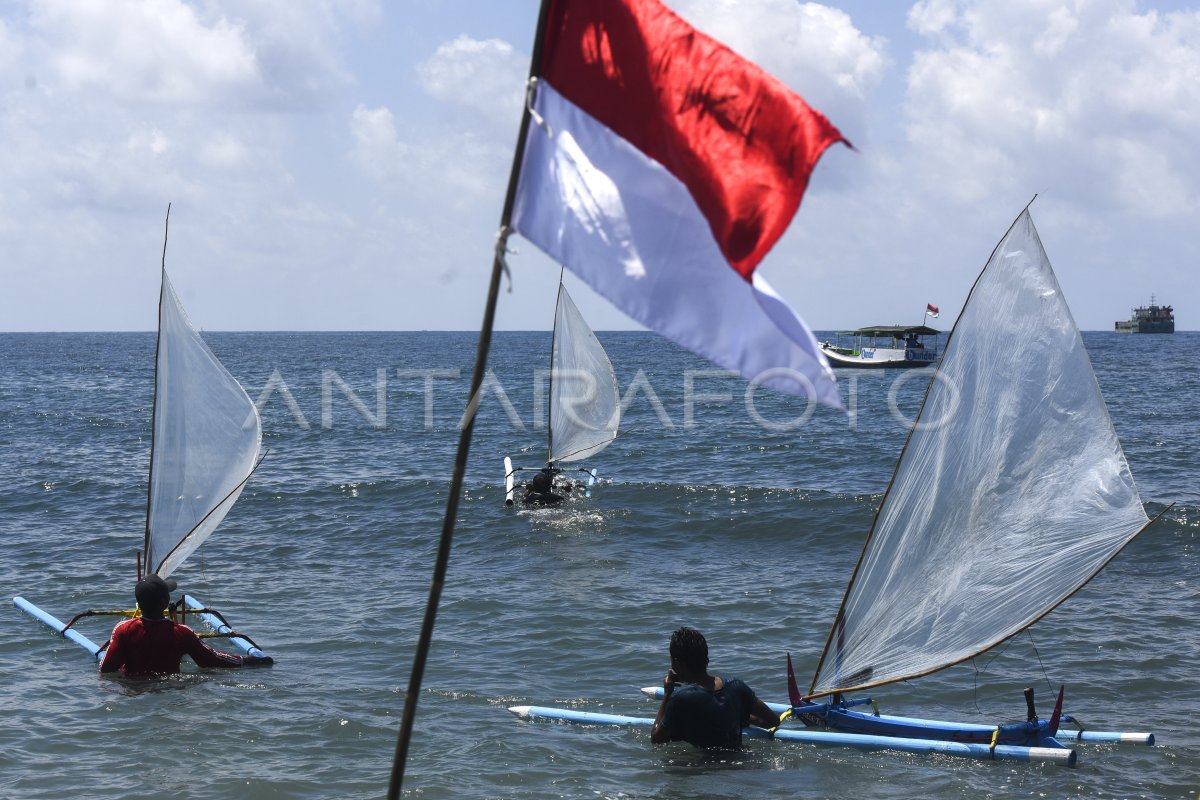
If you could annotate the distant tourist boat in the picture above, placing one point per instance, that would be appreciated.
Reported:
(1149, 319)
(884, 346)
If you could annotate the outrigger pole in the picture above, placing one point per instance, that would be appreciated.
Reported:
(464, 439)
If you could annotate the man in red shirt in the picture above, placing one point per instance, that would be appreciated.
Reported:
(153, 645)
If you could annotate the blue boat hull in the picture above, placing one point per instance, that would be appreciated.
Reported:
(1054, 755)
(840, 717)
(1025, 734)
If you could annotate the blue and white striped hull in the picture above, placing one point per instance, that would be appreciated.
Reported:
(1060, 756)
(1023, 733)
(1053, 755)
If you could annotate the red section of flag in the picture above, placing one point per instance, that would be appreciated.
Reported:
(740, 140)
(931, 309)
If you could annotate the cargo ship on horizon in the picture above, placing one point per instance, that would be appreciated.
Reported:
(1149, 319)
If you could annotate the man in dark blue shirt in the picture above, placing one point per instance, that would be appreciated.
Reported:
(704, 710)
(540, 491)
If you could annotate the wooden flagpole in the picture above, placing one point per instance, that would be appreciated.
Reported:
(464, 439)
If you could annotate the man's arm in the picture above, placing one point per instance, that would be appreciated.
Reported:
(762, 716)
(659, 733)
(205, 656)
(114, 657)
(202, 654)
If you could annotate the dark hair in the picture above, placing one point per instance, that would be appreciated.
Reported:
(689, 647)
(541, 482)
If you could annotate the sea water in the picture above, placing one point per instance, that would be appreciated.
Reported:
(735, 510)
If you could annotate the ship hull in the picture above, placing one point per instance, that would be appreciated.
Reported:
(1145, 327)
(1148, 319)
(879, 357)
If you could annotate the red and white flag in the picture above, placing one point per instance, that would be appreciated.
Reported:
(661, 169)
(931, 310)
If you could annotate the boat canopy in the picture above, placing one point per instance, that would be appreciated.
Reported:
(896, 331)
(1011, 493)
(206, 439)
(585, 404)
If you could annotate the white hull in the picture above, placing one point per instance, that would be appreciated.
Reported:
(878, 357)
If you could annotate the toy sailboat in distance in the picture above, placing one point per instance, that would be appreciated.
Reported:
(585, 403)
(205, 441)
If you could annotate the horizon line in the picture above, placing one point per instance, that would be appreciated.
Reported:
(448, 330)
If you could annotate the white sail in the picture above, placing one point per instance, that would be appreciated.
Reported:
(1011, 493)
(206, 440)
(585, 404)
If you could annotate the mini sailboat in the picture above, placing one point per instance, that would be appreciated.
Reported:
(1011, 493)
(205, 441)
(585, 408)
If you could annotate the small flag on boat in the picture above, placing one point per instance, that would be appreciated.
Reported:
(661, 170)
(931, 310)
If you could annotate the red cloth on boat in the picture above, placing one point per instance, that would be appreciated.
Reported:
(140, 648)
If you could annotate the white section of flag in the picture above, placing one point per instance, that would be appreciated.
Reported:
(631, 230)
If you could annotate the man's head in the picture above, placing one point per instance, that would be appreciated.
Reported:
(689, 648)
(541, 482)
(153, 595)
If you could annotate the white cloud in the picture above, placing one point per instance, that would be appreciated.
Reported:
(378, 150)
(453, 166)
(487, 77)
(463, 152)
(223, 151)
(232, 54)
(1095, 99)
(123, 103)
(348, 158)
(108, 110)
(10, 52)
(145, 52)
(931, 17)
(297, 44)
(151, 141)
(120, 101)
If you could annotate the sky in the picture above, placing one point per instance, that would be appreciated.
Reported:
(341, 164)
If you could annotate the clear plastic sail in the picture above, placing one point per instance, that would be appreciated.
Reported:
(1011, 493)
(207, 437)
(585, 404)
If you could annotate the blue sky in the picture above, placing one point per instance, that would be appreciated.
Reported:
(341, 165)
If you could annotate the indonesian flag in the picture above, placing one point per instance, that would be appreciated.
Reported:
(931, 310)
(660, 169)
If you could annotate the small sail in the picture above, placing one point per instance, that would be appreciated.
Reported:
(207, 436)
(1011, 493)
(585, 405)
